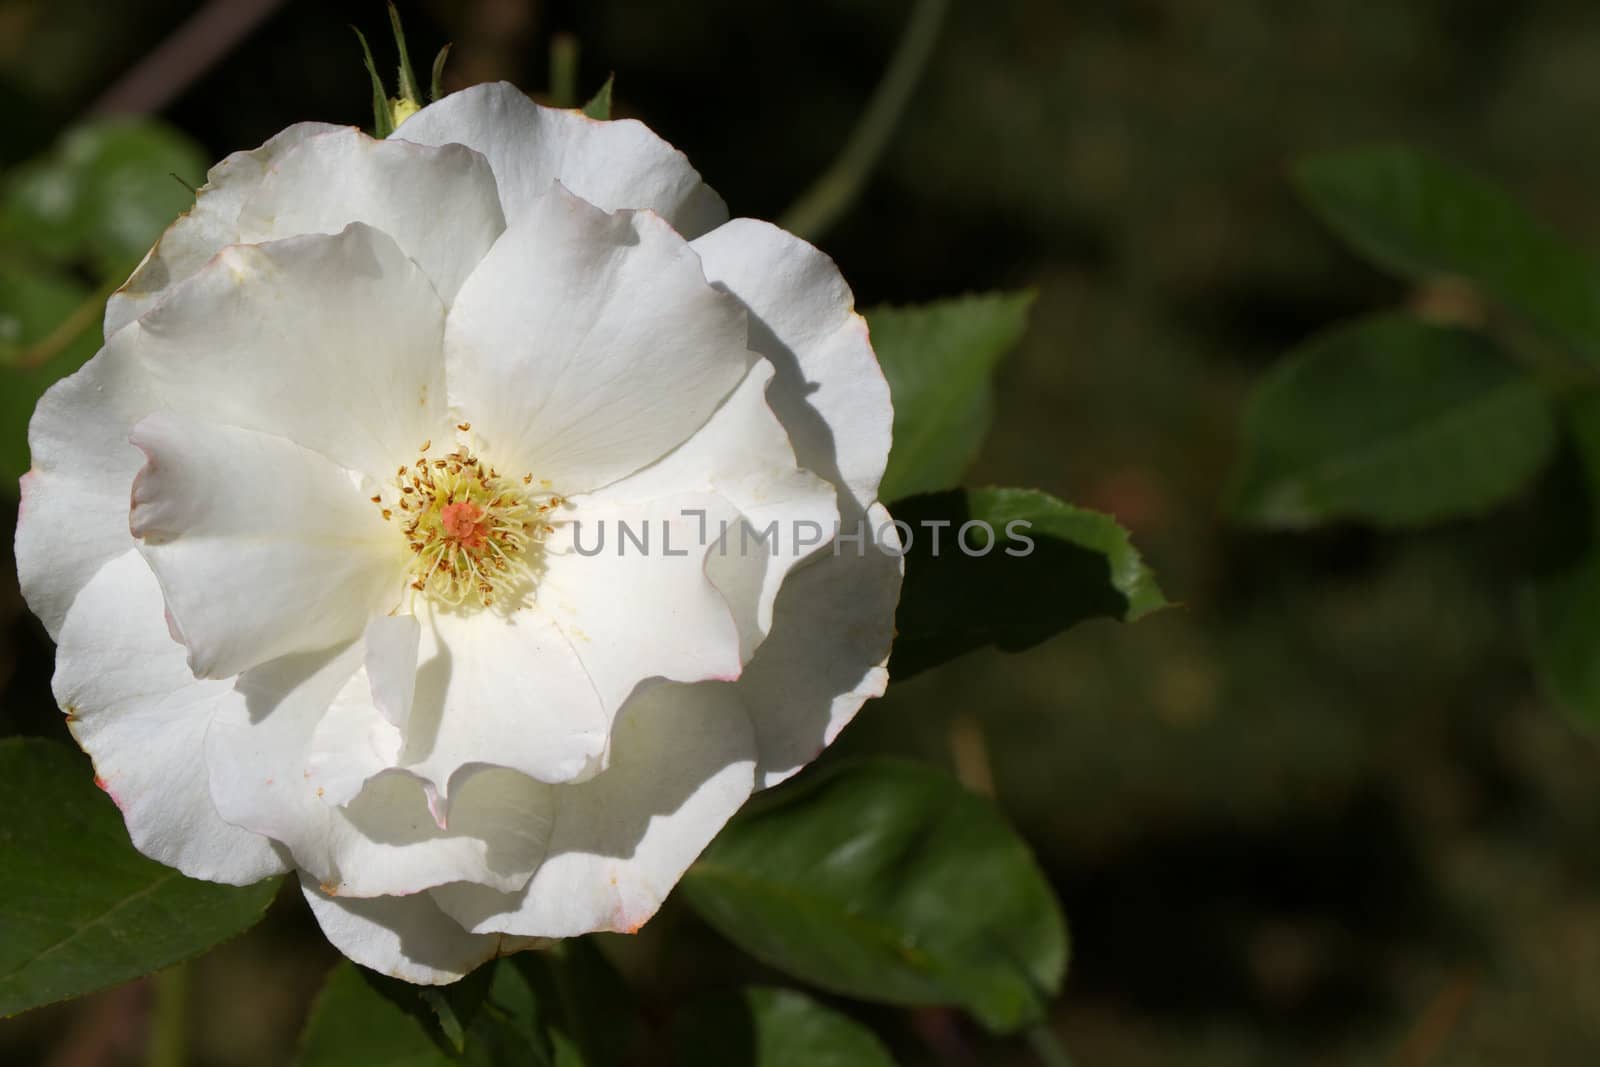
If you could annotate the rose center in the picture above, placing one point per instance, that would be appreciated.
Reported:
(462, 523)
(474, 534)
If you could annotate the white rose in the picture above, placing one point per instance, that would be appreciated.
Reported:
(368, 400)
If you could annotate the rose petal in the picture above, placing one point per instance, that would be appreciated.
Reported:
(352, 744)
(619, 164)
(335, 342)
(388, 839)
(203, 230)
(681, 765)
(742, 455)
(830, 392)
(388, 842)
(391, 665)
(586, 346)
(362, 734)
(403, 937)
(634, 613)
(826, 655)
(834, 618)
(440, 205)
(263, 548)
(332, 342)
(258, 751)
(135, 708)
(74, 513)
(505, 690)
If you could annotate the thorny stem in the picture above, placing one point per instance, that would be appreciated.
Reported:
(831, 195)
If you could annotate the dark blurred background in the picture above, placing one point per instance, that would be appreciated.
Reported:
(1317, 814)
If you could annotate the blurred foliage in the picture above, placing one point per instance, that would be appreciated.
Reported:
(764, 1027)
(73, 224)
(101, 197)
(363, 1017)
(1425, 219)
(1393, 421)
(47, 334)
(1399, 422)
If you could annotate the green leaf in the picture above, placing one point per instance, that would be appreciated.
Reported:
(588, 1008)
(35, 306)
(888, 881)
(353, 1023)
(940, 360)
(139, 176)
(80, 910)
(382, 116)
(1391, 421)
(513, 1027)
(1562, 610)
(764, 1027)
(564, 1006)
(446, 1013)
(1581, 409)
(1049, 567)
(103, 194)
(42, 211)
(1420, 217)
(599, 105)
(362, 1017)
(1565, 635)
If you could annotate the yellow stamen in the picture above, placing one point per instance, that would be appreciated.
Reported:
(471, 533)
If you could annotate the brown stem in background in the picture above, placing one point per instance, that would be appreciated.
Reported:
(492, 40)
(970, 752)
(1439, 1020)
(184, 57)
(86, 316)
(106, 1029)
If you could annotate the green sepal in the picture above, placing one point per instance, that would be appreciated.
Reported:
(382, 117)
(599, 105)
(436, 83)
(410, 92)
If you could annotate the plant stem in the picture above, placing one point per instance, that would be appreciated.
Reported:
(564, 70)
(1048, 1047)
(831, 195)
(169, 1019)
(86, 316)
(203, 41)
